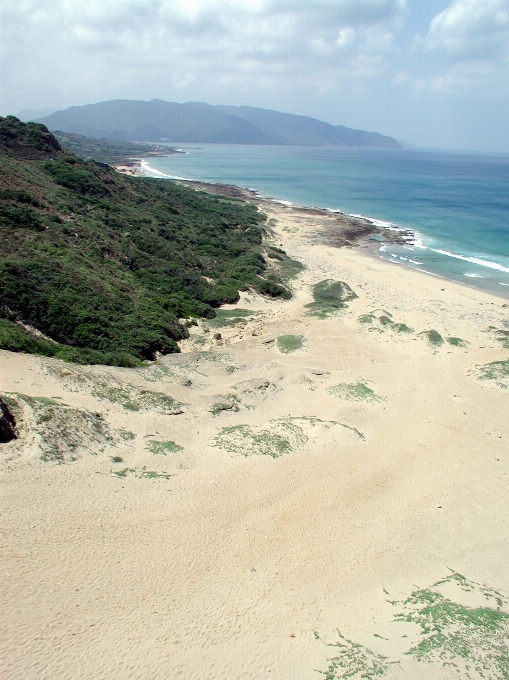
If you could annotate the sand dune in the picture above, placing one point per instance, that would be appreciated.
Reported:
(264, 504)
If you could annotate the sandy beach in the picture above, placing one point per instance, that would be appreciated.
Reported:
(290, 497)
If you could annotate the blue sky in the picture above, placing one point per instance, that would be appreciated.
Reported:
(434, 73)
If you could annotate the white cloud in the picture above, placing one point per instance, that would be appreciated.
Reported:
(75, 51)
(472, 30)
(346, 37)
(473, 38)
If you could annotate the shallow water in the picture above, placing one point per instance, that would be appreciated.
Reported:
(457, 205)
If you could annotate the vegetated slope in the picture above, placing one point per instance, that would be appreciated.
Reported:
(108, 150)
(105, 265)
(200, 122)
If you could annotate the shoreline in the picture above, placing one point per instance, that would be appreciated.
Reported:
(137, 166)
(380, 231)
(346, 231)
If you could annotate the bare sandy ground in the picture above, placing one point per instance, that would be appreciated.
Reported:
(290, 515)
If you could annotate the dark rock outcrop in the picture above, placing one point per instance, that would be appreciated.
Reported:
(7, 424)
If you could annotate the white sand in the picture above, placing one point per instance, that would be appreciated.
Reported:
(228, 567)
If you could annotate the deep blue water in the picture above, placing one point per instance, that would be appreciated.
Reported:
(457, 205)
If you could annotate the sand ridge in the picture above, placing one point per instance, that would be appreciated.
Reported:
(242, 502)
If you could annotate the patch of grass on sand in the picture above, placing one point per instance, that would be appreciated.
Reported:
(385, 320)
(242, 439)
(451, 632)
(457, 342)
(289, 343)
(126, 435)
(498, 371)
(282, 435)
(123, 473)
(354, 660)
(230, 317)
(366, 318)
(353, 392)
(286, 267)
(156, 372)
(135, 399)
(290, 269)
(469, 640)
(42, 401)
(402, 328)
(164, 447)
(329, 297)
(503, 337)
(433, 337)
(141, 473)
(117, 459)
(61, 431)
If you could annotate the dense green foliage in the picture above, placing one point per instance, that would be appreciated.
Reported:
(105, 265)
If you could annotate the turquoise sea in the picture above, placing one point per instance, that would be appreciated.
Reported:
(456, 205)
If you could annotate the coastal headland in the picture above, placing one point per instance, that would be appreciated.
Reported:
(313, 488)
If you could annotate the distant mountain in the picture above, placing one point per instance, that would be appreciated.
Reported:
(197, 122)
(306, 131)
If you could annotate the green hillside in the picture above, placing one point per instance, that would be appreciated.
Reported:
(104, 265)
(109, 151)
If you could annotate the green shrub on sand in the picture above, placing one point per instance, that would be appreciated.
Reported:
(353, 392)
(329, 297)
(162, 448)
(496, 371)
(289, 343)
(433, 337)
(457, 342)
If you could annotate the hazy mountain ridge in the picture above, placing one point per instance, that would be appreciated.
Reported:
(198, 122)
(303, 130)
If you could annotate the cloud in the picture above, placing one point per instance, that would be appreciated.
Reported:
(472, 36)
(472, 30)
(75, 51)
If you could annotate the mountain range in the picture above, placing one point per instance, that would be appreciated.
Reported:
(197, 122)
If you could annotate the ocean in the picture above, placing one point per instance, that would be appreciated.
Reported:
(455, 204)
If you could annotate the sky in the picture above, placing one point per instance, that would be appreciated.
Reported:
(433, 73)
